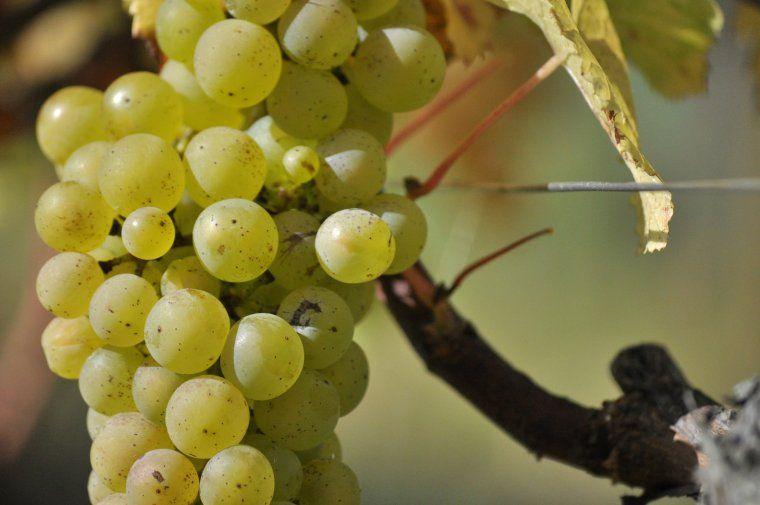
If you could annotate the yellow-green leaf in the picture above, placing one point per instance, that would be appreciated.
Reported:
(669, 40)
(607, 101)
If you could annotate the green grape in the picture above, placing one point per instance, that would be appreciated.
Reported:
(329, 449)
(105, 381)
(398, 68)
(188, 272)
(95, 422)
(72, 217)
(359, 297)
(162, 477)
(83, 164)
(408, 225)
(263, 356)
(66, 283)
(261, 12)
(318, 34)
(278, 502)
(200, 111)
(405, 12)
(238, 474)
(237, 63)
(223, 163)
(274, 143)
(349, 375)
(288, 474)
(119, 307)
(152, 387)
(111, 248)
(114, 499)
(186, 330)
(148, 233)
(371, 9)
(69, 119)
(296, 264)
(362, 115)
(67, 343)
(306, 102)
(235, 239)
(354, 245)
(324, 322)
(304, 416)
(354, 167)
(205, 415)
(142, 102)
(141, 170)
(124, 439)
(185, 214)
(328, 482)
(180, 23)
(96, 489)
(301, 163)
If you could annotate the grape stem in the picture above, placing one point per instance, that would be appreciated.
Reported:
(448, 291)
(525, 88)
(441, 104)
(749, 184)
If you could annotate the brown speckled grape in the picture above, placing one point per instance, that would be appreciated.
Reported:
(162, 477)
(408, 225)
(67, 343)
(105, 381)
(328, 482)
(66, 283)
(296, 264)
(239, 474)
(152, 387)
(119, 307)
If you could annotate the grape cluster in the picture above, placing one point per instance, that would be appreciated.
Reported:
(219, 228)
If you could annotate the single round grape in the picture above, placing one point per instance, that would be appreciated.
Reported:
(67, 343)
(141, 170)
(296, 263)
(205, 415)
(263, 356)
(371, 9)
(237, 63)
(142, 102)
(148, 233)
(235, 239)
(95, 422)
(186, 330)
(224, 163)
(304, 416)
(152, 387)
(200, 111)
(350, 376)
(124, 439)
(119, 307)
(301, 163)
(96, 489)
(359, 297)
(261, 12)
(354, 245)
(398, 68)
(328, 482)
(66, 283)
(288, 474)
(238, 474)
(408, 225)
(318, 34)
(162, 477)
(274, 142)
(362, 115)
(69, 119)
(329, 449)
(83, 164)
(72, 217)
(189, 273)
(354, 167)
(105, 381)
(306, 102)
(180, 23)
(324, 322)
(114, 499)
(185, 214)
(405, 12)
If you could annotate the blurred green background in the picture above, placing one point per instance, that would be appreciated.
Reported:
(559, 308)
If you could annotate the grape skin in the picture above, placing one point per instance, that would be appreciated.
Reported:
(288, 475)
(408, 225)
(274, 142)
(148, 233)
(405, 12)
(83, 164)
(329, 449)
(328, 482)
(119, 308)
(105, 381)
(188, 272)
(67, 343)
(370, 9)
(261, 12)
(301, 163)
(152, 386)
(96, 489)
(359, 297)
(350, 376)
(66, 282)
(162, 477)
(362, 115)
(95, 422)
(296, 264)
(180, 23)
(114, 499)
(239, 474)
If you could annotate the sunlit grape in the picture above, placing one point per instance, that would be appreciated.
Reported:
(261, 12)
(180, 23)
(238, 474)
(83, 164)
(67, 343)
(96, 489)
(162, 477)
(66, 283)
(148, 233)
(152, 386)
(188, 272)
(105, 380)
(408, 225)
(119, 307)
